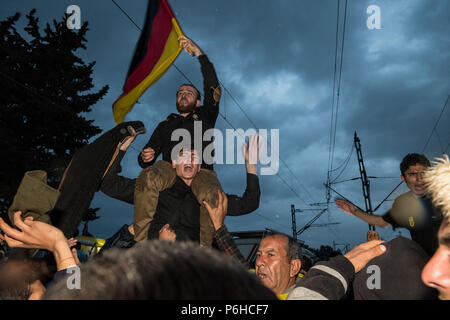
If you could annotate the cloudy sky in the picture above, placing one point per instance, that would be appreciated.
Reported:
(276, 58)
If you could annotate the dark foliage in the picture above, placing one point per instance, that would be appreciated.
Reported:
(45, 88)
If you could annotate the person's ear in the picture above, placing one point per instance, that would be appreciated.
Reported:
(174, 164)
(403, 178)
(294, 267)
(198, 103)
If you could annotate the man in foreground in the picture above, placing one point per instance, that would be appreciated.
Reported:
(436, 273)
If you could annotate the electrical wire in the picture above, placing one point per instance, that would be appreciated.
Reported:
(333, 99)
(435, 125)
(346, 163)
(439, 139)
(271, 220)
(339, 82)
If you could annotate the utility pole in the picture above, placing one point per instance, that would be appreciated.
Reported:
(294, 223)
(295, 233)
(364, 179)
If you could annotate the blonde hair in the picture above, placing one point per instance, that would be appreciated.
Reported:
(437, 182)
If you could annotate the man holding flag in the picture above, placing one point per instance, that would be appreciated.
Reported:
(159, 176)
(160, 43)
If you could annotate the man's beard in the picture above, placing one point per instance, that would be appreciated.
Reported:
(186, 108)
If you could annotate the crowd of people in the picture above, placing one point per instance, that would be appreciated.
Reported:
(177, 245)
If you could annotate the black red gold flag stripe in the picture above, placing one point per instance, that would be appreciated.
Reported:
(156, 50)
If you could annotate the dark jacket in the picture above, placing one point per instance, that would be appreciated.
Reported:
(395, 275)
(84, 175)
(329, 280)
(178, 207)
(160, 141)
(121, 239)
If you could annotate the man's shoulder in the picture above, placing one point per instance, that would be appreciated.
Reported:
(171, 117)
(412, 211)
(202, 112)
(405, 197)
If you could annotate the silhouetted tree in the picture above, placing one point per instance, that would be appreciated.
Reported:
(44, 90)
(325, 252)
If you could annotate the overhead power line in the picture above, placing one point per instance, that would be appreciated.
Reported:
(345, 166)
(271, 220)
(339, 82)
(424, 148)
(336, 95)
(435, 125)
(333, 98)
(126, 14)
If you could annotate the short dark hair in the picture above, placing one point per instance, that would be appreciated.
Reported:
(293, 249)
(199, 96)
(163, 270)
(412, 159)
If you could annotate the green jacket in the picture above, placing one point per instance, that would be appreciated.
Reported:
(34, 197)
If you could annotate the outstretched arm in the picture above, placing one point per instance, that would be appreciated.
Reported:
(350, 208)
(330, 280)
(211, 87)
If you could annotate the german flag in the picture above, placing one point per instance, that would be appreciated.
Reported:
(157, 49)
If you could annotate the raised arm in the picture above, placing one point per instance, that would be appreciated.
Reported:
(211, 87)
(249, 201)
(38, 235)
(330, 280)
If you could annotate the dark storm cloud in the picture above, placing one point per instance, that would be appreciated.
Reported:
(277, 59)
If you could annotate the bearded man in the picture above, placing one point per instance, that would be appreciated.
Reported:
(159, 176)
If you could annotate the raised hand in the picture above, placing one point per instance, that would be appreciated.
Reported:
(189, 46)
(72, 242)
(32, 234)
(148, 154)
(38, 235)
(360, 255)
(346, 206)
(218, 214)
